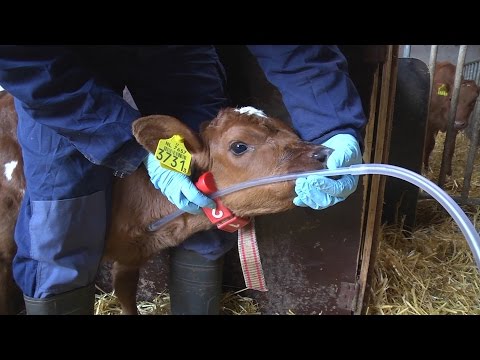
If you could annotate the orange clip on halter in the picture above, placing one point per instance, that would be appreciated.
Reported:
(221, 216)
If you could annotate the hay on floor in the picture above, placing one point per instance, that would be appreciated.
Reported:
(232, 303)
(431, 270)
(454, 184)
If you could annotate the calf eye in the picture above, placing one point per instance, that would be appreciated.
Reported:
(238, 148)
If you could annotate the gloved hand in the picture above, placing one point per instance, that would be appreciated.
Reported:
(320, 192)
(177, 187)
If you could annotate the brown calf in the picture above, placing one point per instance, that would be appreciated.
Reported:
(12, 185)
(234, 146)
(440, 108)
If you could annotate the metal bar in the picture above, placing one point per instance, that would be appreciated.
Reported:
(471, 71)
(477, 78)
(450, 135)
(406, 51)
(472, 151)
(431, 67)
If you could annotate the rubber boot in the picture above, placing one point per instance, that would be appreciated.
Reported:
(80, 301)
(195, 283)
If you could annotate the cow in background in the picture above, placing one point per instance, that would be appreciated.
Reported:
(439, 109)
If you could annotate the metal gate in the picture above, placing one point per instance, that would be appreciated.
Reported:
(467, 71)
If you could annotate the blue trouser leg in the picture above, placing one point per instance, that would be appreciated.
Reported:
(186, 82)
(61, 226)
(60, 231)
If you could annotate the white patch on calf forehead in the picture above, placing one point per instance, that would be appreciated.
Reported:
(250, 110)
(9, 167)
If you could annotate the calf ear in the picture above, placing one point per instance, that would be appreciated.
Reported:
(149, 130)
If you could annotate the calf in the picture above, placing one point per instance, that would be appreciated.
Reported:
(12, 184)
(236, 146)
(439, 109)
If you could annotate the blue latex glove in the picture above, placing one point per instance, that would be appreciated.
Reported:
(320, 192)
(177, 187)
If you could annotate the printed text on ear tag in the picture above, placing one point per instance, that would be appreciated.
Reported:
(442, 90)
(173, 154)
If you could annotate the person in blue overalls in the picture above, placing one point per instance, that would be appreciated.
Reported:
(75, 133)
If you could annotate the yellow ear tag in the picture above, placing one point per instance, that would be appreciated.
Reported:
(442, 90)
(173, 154)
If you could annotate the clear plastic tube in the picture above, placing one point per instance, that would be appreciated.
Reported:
(463, 222)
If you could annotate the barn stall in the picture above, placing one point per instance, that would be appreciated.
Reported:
(326, 262)
(424, 264)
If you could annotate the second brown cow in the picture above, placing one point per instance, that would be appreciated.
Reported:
(439, 110)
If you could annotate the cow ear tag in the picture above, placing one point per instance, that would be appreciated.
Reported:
(173, 154)
(442, 90)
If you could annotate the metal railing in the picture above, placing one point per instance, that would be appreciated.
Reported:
(469, 71)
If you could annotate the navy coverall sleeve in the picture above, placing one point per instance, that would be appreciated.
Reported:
(66, 98)
(316, 89)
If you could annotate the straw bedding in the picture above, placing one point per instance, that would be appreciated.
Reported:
(430, 270)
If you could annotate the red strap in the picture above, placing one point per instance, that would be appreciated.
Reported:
(221, 216)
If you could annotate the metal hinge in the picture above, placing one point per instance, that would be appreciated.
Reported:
(347, 296)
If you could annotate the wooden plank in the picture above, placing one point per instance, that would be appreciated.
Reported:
(369, 142)
(370, 129)
(382, 139)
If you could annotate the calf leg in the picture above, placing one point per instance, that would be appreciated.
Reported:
(125, 282)
(429, 145)
(448, 160)
(11, 298)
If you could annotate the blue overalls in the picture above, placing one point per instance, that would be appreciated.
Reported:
(75, 133)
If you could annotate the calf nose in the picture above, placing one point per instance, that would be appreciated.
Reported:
(322, 153)
(460, 124)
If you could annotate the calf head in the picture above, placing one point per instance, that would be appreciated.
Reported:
(237, 146)
(440, 105)
(469, 92)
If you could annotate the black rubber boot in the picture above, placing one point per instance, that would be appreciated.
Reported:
(80, 301)
(195, 283)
